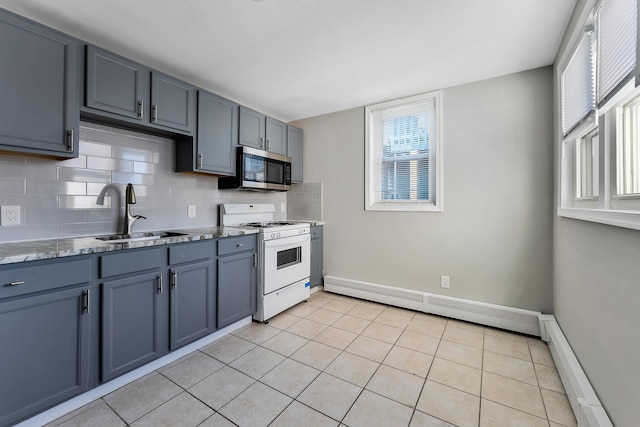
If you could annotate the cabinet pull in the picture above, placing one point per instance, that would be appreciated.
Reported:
(140, 108)
(70, 140)
(85, 302)
(159, 283)
(255, 259)
(174, 282)
(155, 113)
(199, 164)
(17, 283)
(267, 148)
(239, 245)
(261, 142)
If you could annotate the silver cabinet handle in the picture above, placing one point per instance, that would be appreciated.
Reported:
(70, 140)
(267, 144)
(199, 164)
(174, 283)
(239, 245)
(85, 302)
(261, 142)
(160, 283)
(155, 113)
(255, 259)
(17, 283)
(140, 108)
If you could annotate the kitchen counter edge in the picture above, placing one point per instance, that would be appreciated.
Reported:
(17, 252)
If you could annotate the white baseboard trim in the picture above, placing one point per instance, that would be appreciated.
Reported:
(499, 316)
(106, 388)
(585, 404)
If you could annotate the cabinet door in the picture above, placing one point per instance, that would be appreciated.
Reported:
(173, 103)
(115, 84)
(217, 134)
(39, 107)
(133, 323)
(294, 150)
(236, 287)
(316, 256)
(45, 351)
(276, 134)
(252, 128)
(192, 303)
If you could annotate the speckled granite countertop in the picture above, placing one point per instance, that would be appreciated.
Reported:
(15, 252)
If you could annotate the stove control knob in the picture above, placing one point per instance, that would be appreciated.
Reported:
(273, 235)
(278, 233)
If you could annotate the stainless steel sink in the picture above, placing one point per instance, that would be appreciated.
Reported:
(138, 237)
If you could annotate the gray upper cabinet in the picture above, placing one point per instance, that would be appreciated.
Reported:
(262, 132)
(173, 103)
(216, 139)
(39, 103)
(252, 128)
(45, 331)
(294, 150)
(276, 134)
(115, 84)
(118, 89)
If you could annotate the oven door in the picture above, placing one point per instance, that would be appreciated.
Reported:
(286, 261)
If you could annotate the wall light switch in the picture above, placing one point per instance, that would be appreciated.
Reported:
(10, 215)
(283, 207)
(444, 282)
(191, 211)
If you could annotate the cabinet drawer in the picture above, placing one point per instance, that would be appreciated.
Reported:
(43, 276)
(130, 262)
(188, 252)
(232, 245)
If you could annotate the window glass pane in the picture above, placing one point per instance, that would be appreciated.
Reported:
(628, 149)
(578, 85)
(587, 166)
(617, 29)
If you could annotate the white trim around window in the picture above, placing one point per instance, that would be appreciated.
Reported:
(419, 167)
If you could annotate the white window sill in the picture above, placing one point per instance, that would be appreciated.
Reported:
(404, 207)
(617, 218)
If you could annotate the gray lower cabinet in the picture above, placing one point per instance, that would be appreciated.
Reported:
(294, 150)
(237, 279)
(193, 292)
(217, 137)
(38, 85)
(316, 255)
(45, 331)
(134, 310)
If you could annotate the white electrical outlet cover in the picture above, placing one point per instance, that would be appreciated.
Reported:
(191, 211)
(9, 215)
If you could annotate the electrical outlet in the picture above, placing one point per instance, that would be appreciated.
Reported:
(444, 282)
(283, 207)
(9, 215)
(191, 211)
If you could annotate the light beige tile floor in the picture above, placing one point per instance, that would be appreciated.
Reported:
(340, 361)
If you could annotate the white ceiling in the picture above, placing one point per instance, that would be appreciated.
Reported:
(300, 58)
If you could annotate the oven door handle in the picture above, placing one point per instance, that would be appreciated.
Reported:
(287, 241)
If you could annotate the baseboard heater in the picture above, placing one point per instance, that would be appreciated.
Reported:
(513, 319)
(585, 405)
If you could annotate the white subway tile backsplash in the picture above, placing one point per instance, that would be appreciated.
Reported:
(60, 198)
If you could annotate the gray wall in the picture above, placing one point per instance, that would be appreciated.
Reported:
(597, 298)
(58, 198)
(493, 238)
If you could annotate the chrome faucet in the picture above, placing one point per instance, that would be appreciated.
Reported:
(130, 199)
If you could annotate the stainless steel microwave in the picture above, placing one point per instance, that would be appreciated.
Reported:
(259, 170)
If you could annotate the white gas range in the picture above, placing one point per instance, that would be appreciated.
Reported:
(284, 252)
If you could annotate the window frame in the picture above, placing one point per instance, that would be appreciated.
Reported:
(371, 204)
(608, 208)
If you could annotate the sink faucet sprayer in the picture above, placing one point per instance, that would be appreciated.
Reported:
(130, 199)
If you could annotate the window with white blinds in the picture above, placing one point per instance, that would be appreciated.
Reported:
(617, 33)
(578, 85)
(402, 149)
